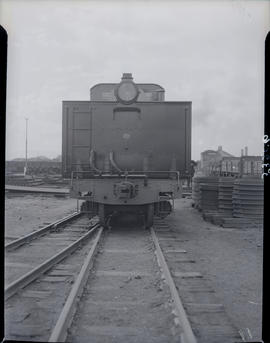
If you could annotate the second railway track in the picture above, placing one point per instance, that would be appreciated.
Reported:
(34, 300)
(50, 228)
(27, 252)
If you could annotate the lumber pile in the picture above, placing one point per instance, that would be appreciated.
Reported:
(230, 202)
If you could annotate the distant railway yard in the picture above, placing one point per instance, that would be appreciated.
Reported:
(182, 280)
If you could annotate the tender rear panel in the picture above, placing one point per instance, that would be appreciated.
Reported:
(145, 135)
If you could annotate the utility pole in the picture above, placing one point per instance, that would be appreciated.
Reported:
(26, 127)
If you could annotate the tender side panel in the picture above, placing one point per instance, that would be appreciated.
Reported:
(76, 136)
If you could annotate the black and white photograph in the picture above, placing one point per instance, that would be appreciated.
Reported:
(134, 170)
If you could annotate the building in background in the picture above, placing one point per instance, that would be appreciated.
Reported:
(211, 159)
(244, 165)
(220, 162)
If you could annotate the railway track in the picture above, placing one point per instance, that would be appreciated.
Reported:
(42, 245)
(126, 299)
(34, 299)
(203, 309)
(40, 232)
(125, 291)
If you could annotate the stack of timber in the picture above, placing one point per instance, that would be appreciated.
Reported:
(248, 199)
(239, 223)
(225, 191)
(22, 180)
(209, 194)
(237, 203)
(196, 189)
(209, 200)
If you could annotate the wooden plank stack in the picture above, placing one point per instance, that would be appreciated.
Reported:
(197, 195)
(230, 202)
(209, 195)
(248, 199)
(225, 191)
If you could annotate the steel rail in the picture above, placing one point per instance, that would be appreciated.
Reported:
(64, 321)
(27, 238)
(33, 274)
(188, 335)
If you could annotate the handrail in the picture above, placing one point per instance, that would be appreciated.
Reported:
(127, 174)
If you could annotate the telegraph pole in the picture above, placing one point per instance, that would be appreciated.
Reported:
(26, 127)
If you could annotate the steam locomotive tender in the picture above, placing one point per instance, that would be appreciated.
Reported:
(126, 150)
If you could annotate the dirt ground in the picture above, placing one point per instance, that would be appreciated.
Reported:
(24, 214)
(230, 258)
(125, 300)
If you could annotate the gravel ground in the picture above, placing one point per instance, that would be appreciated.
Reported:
(231, 259)
(24, 214)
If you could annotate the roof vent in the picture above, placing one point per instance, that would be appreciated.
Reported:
(127, 76)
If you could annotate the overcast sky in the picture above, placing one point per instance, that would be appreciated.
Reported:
(210, 53)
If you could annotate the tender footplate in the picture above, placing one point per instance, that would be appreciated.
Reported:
(205, 312)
